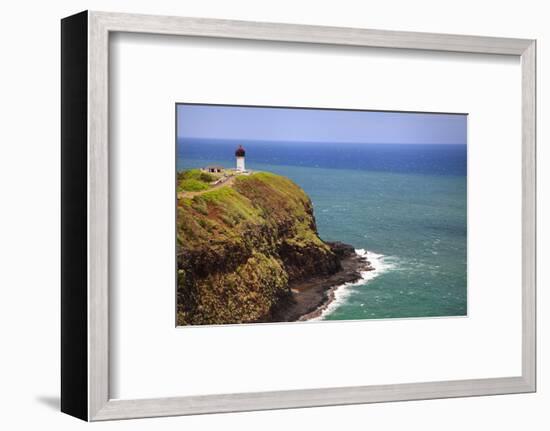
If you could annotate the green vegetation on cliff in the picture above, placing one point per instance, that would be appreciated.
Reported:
(194, 180)
(240, 245)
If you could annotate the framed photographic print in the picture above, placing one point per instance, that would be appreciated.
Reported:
(279, 208)
(261, 216)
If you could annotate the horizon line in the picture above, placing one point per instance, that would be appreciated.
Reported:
(196, 138)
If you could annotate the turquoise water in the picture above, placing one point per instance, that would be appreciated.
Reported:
(408, 212)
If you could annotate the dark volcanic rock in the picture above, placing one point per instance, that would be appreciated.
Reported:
(341, 250)
(311, 295)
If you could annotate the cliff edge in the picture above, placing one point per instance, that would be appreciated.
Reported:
(248, 248)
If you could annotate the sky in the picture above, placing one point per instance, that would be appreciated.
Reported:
(314, 125)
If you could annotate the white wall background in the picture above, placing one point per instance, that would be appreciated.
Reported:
(29, 215)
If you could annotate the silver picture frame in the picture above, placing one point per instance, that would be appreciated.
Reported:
(85, 215)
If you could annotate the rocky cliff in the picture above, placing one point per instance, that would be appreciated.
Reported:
(240, 247)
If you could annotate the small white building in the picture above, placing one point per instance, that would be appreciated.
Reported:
(239, 156)
(213, 169)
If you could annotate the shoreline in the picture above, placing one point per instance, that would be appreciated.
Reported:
(312, 296)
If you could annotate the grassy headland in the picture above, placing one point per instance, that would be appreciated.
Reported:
(243, 245)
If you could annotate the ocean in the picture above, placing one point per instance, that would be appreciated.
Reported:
(404, 206)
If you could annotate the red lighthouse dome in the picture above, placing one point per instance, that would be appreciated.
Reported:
(240, 151)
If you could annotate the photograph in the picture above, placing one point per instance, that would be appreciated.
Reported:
(291, 214)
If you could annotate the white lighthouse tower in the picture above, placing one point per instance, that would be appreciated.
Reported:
(239, 156)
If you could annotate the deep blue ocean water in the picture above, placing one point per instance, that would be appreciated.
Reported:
(404, 204)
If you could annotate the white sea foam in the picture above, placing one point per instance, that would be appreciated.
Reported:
(379, 262)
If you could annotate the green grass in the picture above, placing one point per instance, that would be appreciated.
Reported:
(197, 174)
(194, 180)
(260, 199)
(192, 185)
(280, 198)
(229, 202)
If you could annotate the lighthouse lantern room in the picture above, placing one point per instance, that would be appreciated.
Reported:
(239, 156)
